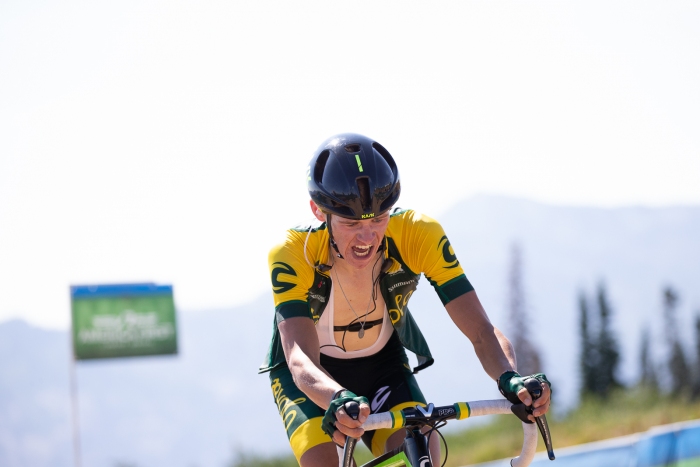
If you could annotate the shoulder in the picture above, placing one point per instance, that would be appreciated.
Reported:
(290, 241)
(410, 222)
(291, 262)
(299, 249)
(421, 242)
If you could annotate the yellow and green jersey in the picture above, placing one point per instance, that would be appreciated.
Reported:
(415, 244)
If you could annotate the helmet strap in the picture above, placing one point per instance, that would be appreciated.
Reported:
(330, 235)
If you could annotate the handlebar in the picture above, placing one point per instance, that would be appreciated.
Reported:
(420, 416)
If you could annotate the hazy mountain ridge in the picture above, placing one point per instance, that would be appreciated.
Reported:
(196, 408)
(34, 396)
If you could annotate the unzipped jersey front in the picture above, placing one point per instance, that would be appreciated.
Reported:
(414, 244)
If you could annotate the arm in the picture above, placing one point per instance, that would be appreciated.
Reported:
(301, 349)
(493, 349)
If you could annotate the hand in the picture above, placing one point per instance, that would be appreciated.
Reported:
(338, 424)
(512, 386)
(541, 405)
(347, 425)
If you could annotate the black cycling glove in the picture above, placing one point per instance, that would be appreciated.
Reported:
(341, 398)
(510, 382)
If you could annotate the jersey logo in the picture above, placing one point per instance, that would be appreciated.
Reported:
(380, 398)
(447, 253)
(280, 286)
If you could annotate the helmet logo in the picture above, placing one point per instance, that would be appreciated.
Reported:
(359, 162)
(368, 216)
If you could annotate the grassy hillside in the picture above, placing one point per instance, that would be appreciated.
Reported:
(625, 412)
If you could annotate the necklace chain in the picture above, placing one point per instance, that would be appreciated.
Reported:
(361, 333)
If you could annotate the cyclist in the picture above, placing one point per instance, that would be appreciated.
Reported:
(341, 318)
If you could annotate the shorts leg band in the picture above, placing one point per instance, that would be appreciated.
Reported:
(308, 435)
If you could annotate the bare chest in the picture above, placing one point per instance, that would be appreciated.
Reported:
(356, 305)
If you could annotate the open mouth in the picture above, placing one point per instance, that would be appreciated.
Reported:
(362, 250)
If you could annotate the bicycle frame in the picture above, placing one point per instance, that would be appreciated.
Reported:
(414, 450)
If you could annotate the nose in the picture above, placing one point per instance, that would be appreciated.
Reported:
(366, 233)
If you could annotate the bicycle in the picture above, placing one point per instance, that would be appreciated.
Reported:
(414, 452)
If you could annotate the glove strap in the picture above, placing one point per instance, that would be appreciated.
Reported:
(338, 393)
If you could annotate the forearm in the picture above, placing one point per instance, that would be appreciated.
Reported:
(312, 379)
(493, 348)
(495, 352)
(301, 349)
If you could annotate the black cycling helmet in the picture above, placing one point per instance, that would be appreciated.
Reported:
(353, 176)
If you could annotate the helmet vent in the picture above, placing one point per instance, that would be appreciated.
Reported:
(353, 147)
(385, 154)
(365, 196)
(321, 165)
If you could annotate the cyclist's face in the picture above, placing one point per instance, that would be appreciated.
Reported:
(358, 240)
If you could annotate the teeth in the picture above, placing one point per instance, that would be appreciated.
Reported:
(362, 247)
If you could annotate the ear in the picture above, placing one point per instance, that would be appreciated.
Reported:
(317, 211)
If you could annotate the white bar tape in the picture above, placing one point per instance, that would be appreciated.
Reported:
(529, 446)
(492, 407)
(502, 406)
(378, 420)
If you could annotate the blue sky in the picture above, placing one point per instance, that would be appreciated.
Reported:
(167, 141)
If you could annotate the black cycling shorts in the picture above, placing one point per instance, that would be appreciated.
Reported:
(384, 378)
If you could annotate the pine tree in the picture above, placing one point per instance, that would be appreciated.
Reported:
(588, 356)
(677, 363)
(648, 378)
(527, 355)
(607, 346)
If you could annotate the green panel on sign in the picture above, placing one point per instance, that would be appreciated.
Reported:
(124, 326)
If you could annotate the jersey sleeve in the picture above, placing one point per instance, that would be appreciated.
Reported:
(291, 278)
(428, 250)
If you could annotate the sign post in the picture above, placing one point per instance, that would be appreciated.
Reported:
(119, 320)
